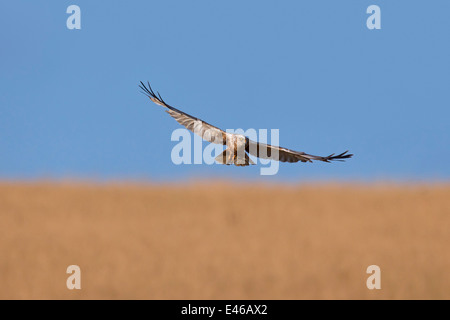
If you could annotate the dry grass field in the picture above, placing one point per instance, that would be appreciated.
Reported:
(219, 241)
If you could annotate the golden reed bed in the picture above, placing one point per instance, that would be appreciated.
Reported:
(218, 241)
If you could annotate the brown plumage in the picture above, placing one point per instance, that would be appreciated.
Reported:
(237, 145)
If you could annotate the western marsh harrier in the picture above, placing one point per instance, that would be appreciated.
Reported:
(237, 145)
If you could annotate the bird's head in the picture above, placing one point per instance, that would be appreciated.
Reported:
(240, 139)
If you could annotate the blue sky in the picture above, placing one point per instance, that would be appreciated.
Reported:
(70, 105)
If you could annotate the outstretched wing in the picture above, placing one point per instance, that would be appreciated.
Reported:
(208, 132)
(267, 151)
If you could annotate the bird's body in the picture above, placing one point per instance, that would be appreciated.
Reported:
(237, 146)
(235, 153)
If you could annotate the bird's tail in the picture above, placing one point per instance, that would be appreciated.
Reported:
(227, 157)
(224, 157)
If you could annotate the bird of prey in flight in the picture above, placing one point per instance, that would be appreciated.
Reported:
(237, 146)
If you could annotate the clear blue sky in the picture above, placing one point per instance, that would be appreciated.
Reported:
(70, 105)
